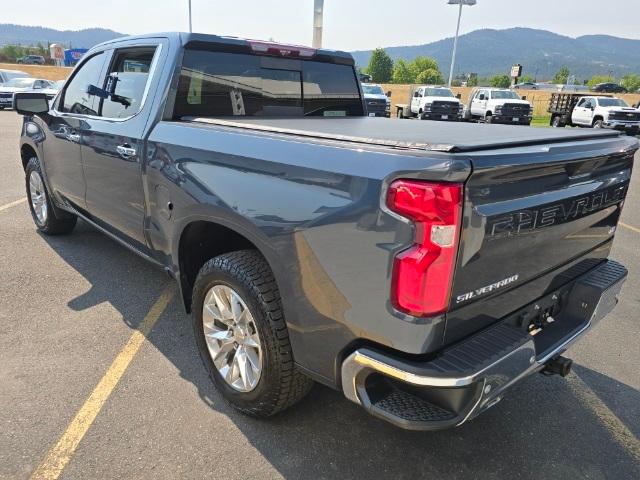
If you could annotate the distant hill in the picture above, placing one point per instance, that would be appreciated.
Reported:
(24, 35)
(490, 51)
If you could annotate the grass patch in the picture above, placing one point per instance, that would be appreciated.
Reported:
(541, 121)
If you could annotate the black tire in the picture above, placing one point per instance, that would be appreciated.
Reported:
(1, 108)
(488, 118)
(556, 122)
(281, 384)
(57, 222)
(598, 124)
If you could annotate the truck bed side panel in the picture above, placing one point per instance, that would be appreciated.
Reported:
(313, 209)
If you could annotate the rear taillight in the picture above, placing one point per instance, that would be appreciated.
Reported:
(422, 274)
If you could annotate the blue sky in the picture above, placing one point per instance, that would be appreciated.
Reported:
(349, 24)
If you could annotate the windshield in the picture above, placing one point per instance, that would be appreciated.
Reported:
(612, 102)
(504, 94)
(372, 89)
(19, 83)
(438, 92)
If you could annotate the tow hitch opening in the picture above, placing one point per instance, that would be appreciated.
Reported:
(558, 366)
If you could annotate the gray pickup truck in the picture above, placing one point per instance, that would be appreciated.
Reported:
(420, 267)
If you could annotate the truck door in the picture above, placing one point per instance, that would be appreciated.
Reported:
(65, 132)
(581, 114)
(112, 153)
(415, 100)
(479, 103)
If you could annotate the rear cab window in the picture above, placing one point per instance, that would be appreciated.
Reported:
(223, 84)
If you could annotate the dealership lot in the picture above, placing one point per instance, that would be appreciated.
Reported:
(70, 304)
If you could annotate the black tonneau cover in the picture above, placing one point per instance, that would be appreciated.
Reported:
(421, 135)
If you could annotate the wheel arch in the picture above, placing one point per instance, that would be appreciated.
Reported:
(202, 239)
(27, 152)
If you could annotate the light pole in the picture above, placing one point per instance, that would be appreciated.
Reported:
(318, 7)
(455, 40)
(190, 29)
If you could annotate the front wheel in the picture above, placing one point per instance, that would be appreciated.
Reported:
(598, 124)
(242, 335)
(47, 217)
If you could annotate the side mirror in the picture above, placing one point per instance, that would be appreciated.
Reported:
(28, 103)
(459, 96)
(389, 94)
(524, 97)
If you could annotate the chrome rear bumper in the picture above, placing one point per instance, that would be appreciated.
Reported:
(471, 376)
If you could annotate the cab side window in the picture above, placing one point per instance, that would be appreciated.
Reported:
(75, 97)
(582, 103)
(126, 82)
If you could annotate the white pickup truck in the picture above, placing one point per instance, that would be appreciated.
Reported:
(498, 105)
(595, 111)
(430, 102)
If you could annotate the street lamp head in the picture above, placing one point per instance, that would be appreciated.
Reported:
(462, 2)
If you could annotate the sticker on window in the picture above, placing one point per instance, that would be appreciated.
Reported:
(334, 113)
(194, 96)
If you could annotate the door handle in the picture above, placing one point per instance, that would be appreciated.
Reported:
(73, 137)
(126, 151)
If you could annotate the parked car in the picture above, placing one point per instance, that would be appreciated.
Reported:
(526, 86)
(8, 88)
(420, 269)
(498, 105)
(365, 78)
(32, 60)
(6, 75)
(376, 101)
(593, 111)
(609, 87)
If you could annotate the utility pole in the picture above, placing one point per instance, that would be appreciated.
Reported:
(460, 3)
(318, 7)
(190, 29)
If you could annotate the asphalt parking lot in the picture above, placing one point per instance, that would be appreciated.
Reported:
(69, 306)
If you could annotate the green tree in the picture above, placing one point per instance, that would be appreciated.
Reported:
(425, 64)
(526, 79)
(429, 76)
(380, 66)
(402, 73)
(500, 81)
(596, 79)
(631, 82)
(561, 75)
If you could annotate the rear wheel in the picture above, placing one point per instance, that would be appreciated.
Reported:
(242, 335)
(46, 216)
(556, 122)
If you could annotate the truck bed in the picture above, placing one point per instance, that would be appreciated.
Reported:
(425, 135)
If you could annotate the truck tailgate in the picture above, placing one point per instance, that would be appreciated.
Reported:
(530, 213)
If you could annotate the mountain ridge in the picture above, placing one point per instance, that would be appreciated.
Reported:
(541, 53)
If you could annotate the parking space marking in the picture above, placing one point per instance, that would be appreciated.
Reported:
(616, 427)
(58, 457)
(634, 229)
(12, 204)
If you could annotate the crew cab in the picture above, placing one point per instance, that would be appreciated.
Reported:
(431, 102)
(420, 271)
(376, 101)
(498, 105)
(594, 112)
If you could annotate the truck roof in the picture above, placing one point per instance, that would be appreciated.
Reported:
(203, 41)
(432, 136)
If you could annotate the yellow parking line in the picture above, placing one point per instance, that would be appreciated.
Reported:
(618, 430)
(58, 457)
(12, 204)
(635, 229)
